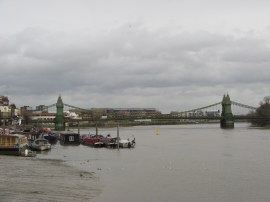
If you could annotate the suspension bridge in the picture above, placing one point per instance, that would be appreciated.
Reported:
(242, 108)
(226, 112)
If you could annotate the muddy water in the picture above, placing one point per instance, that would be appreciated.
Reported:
(190, 163)
(30, 179)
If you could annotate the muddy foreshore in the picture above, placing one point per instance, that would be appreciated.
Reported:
(33, 179)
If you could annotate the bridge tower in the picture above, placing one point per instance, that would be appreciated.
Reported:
(59, 118)
(227, 120)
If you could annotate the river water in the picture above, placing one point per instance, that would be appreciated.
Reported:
(189, 163)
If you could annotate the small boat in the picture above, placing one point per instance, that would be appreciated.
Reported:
(91, 140)
(51, 137)
(126, 143)
(98, 140)
(41, 144)
(28, 153)
(111, 142)
(48, 134)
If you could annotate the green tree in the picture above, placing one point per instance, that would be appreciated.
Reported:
(262, 115)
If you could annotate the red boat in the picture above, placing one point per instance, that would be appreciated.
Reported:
(91, 140)
(98, 140)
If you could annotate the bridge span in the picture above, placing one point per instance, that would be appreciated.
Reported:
(222, 113)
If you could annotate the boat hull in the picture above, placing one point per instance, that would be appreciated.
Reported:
(41, 148)
(10, 151)
(12, 144)
(126, 144)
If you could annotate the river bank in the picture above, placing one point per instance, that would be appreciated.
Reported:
(32, 179)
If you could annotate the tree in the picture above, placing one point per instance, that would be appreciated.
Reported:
(262, 115)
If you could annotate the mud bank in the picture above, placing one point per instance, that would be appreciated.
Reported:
(32, 179)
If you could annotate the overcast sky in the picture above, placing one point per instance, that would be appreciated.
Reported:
(166, 54)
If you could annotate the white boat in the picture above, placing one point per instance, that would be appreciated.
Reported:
(28, 153)
(41, 144)
(126, 143)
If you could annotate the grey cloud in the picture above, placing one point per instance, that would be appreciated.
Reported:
(132, 62)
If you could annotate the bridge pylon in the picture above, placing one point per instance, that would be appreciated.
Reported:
(227, 120)
(59, 118)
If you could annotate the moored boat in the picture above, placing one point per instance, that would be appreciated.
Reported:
(127, 143)
(51, 137)
(91, 140)
(41, 144)
(28, 153)
(69, 138)
(13, 144)
(48, 134)
(111, 142)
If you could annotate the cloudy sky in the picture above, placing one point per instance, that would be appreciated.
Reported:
(166, 54)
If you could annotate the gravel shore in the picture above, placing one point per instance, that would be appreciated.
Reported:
(32, 179)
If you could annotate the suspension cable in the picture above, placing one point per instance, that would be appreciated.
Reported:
(212, 105)
(242, 105)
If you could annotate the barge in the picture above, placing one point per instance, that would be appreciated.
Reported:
(13, 144)
(69, 138)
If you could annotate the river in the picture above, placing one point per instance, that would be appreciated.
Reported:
(189, 163)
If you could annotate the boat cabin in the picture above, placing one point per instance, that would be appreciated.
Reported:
(12, 144)
(69, 138)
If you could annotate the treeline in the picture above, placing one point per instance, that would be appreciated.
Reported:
(261, 117)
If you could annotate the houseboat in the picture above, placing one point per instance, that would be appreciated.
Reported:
(69, 138)
(13, 144)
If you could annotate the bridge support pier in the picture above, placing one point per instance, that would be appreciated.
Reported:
(227, 120)
(59, 119)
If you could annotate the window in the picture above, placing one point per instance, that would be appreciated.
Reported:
(71, 138)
